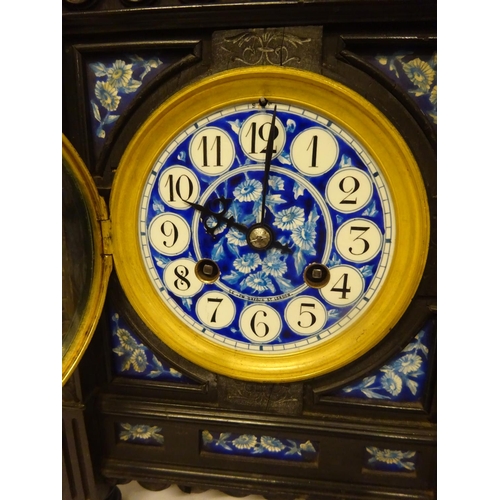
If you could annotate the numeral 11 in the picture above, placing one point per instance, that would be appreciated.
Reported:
(217, 146)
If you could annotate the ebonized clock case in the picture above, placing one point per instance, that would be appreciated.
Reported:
(136, 409)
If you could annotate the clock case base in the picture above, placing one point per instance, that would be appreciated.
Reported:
(99, 401)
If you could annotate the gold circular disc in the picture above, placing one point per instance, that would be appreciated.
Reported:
(332, 101)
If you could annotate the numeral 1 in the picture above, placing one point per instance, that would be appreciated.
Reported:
(306, 155)
(314, 144)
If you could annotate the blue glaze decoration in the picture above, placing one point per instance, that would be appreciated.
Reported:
(390, 460)
(251, 445)
(296, 210)
(112, 83)
(416, 74)
(135, 360)
(141, 434)
(272, 273)
(402, 379)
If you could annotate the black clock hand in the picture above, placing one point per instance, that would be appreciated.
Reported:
(219, 217)
(232, 223)
(267, 165)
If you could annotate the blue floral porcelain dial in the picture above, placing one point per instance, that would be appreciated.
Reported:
(292, 269)
(269, 224)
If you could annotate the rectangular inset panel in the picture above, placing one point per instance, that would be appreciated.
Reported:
(387, 460)
(140, 434)
(260, 446)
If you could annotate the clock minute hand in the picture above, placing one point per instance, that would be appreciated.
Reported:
(267, 165)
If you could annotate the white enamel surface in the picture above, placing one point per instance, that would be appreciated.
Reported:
(314, 151)
(349, 190)
(211, 151)
(169, 234)
(177, 185)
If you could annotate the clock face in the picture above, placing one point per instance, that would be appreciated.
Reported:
(261, 238)
(327, 208)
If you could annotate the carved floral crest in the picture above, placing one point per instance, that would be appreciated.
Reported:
(270, 47)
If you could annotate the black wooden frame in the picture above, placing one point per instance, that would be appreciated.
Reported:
(298, 410)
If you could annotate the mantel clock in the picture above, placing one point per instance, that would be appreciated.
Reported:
(265, 199)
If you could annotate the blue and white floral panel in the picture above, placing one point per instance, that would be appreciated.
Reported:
(133, 359)
(250, 445)
(114, 81)
(390, 460)
(416, 74)
(402, 379)
(141, 434)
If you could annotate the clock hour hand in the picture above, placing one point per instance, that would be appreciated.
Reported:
(267, 165)
(252, 233)
(219, 217)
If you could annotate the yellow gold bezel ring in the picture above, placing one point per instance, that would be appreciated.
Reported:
(76, 340)
(333, 101)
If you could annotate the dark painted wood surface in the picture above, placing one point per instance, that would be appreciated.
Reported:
(340, 33)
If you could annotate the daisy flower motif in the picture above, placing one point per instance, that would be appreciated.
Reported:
(245, 442)
(247, 263)
(392, 383)
(392, 457)
(433, 97)
(249, 190)
(420, 74)
(290, 218)
(108, 95)
(126, 340)
(218, 226)
(119, 74)
(276, 183)
(305, 237)
(389, 456)
(235, 237)
(134, 431)
(273, 264)
(258, 281)
(131, 432)
(271, 444)
(408, 364)
(139, 360)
